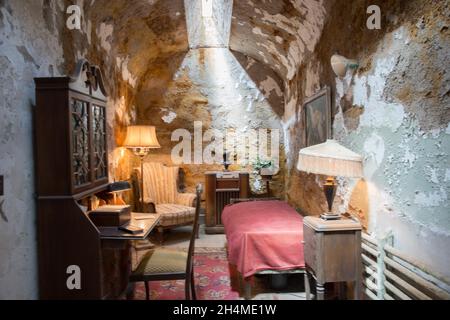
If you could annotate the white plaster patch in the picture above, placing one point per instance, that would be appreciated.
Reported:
(430, 199)
(447, 175)
(339, 88)
(289, 109)
(169, 117)
(409, 158)
(312, 82)
(263, 56)
(339, 130)
(279, 39)
(435, 133)
(374, 150)
(105, 32)
(120, 108)
(270, 85)
(432, 173)
(89, 32)
(258, 31)
(250, 106)
(122, 64)
(377, 113)
(286, 125)
(344, 192)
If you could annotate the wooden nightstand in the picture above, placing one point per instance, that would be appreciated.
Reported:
(332, 253)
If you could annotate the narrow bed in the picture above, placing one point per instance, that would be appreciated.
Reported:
(263, 236)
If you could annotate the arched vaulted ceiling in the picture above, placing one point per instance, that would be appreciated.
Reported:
(279, 33)
(139, 34)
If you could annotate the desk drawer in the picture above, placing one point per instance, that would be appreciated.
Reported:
(227, 184)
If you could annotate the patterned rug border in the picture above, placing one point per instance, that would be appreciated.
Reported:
(210, 250)
(205, 250)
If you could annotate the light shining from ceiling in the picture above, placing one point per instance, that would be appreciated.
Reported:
(207, 8)
(208, 28)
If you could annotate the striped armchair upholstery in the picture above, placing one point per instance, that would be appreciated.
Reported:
(161, 188)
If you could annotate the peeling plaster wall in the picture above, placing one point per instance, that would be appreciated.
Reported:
(128, 40)
(214, 87)
(282, 35)
(34, 42)
(27, 50)
(278, 33)
(208, 31)
(222, 11)
(395, 112)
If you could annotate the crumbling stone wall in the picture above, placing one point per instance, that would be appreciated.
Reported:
(223, 90)
(209, 86)
(140, 46)
(27, 50)
(35, 42)
(395, 112)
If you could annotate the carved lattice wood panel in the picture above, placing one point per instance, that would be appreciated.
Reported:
(80, 142)
(99, 142)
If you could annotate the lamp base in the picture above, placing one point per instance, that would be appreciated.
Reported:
(330, 216)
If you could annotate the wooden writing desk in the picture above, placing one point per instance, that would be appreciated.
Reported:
(71, 117)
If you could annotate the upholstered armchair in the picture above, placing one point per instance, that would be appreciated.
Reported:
(161, 195)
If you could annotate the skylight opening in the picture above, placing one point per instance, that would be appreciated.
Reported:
(207, 8)
(208, 28)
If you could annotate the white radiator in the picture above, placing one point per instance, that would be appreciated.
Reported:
(391, 275)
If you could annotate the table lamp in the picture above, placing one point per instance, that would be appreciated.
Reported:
(331, 159)
(140, 140)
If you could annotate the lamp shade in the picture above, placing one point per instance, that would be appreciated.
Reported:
(332, 159)
(340, 65)
(141, 137)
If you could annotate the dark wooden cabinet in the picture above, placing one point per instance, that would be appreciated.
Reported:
(71, 166)
(70, 122)
(333, 253)
(220, 188)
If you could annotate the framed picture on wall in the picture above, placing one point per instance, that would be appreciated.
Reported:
(317, 115)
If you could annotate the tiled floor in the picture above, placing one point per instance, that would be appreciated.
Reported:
(179, 238)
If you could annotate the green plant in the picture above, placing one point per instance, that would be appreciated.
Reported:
(261, 164)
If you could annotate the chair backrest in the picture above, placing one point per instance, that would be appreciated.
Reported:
(160, 182)
(189, 268)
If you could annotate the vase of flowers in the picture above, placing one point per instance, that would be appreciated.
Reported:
(261, 169)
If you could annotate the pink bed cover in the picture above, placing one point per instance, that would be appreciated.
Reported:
(263, 235)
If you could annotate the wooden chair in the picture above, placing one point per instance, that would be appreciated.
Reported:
(163, 264)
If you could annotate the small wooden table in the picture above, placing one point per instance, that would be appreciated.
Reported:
(116, 253)
(332, 253)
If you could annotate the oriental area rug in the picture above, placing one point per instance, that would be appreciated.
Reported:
(215, 279)
(212, 280)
